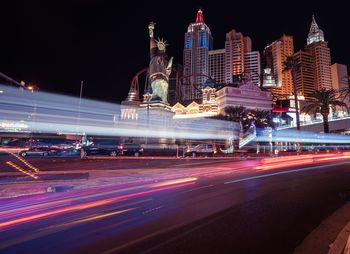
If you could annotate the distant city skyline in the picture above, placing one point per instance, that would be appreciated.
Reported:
(105, 44)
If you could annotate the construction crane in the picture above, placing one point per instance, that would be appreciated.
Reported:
(12, 81)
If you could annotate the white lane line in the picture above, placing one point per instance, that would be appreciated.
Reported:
(283, 172)
(152, 210)
(199, 188)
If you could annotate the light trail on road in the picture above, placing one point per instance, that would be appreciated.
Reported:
(188, 192)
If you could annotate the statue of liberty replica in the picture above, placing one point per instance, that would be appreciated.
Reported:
(159, 67)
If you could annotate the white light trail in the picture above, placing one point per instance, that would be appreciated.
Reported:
(303, 137)
(42, 112)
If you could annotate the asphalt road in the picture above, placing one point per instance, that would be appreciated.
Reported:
(212, 207)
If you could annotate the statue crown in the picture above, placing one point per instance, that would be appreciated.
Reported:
(161, 43)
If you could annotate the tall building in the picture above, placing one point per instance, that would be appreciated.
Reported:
(321, 56)
(305, 74)
(236, 45)
(274, 56)
(252, 66)
(198, 42)
(340, 78)
(217, 65)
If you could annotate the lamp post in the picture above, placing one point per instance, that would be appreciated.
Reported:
(32, 88)
(79, 107)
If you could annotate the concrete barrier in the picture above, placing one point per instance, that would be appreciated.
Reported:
(341, 245)
(347, 247)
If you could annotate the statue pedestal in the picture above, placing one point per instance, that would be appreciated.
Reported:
(156, 115)
(156, 111)
(155, 105)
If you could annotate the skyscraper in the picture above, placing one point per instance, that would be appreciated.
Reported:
(305, 74)
(275, 55)
(217, 65)
(236, 45)
(252, 66)
(198, 42)
(321, 56)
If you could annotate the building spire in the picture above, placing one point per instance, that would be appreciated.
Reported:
(199, 18)
(314, 27)
(315, 33)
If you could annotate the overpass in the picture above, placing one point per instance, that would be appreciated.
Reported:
(335, 125)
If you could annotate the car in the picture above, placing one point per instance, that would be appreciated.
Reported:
(68, 152)
(120, 149)
(130, 149)
(201, 149)
(39, 151)
(91, 151)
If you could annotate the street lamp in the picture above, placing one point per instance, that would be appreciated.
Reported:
(32, 87)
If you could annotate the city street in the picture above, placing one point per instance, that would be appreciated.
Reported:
(172, 205)
(158, 128)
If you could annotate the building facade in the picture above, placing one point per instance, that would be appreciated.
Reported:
(275, 54)
(214, 102)
(236, 45)
(247, 95)
(321, 57)
(305, 74)
(252, 66)
(198, 43)
(340, 78)
(217, 65)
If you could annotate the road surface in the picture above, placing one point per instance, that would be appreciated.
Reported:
(192, 206)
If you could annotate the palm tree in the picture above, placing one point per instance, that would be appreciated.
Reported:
(292, 65)
(262, 120)
(238, 114)
(322, 100)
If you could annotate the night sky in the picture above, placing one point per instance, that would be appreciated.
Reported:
(56, 44)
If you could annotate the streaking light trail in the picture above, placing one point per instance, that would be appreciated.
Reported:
(303, 137)
(41, 112)
(300, 160)
(83, 206)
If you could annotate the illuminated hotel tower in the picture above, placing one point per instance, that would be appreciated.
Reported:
(236, 45)
(252, 67)
(305, 74)
(217, 65)
(321, 56)
(340, 78)
(198, 42)
(274, 55)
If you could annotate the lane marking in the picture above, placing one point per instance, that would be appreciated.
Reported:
(199, 188)
(152, 210)
(20, 169)
(25, 162)
(284, 172)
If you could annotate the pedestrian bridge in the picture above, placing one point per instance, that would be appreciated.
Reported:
(335, 125)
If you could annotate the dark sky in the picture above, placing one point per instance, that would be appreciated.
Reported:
(56, 44)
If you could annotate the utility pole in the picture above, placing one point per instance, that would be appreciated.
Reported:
(79, 105)
(81, 92)
(80, 95)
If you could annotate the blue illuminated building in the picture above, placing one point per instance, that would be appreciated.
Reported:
(198, 41)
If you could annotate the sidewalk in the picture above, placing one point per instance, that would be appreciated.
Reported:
(331, 236)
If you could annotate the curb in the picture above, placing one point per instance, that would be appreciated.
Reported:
(341, 245)
(347, 247)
